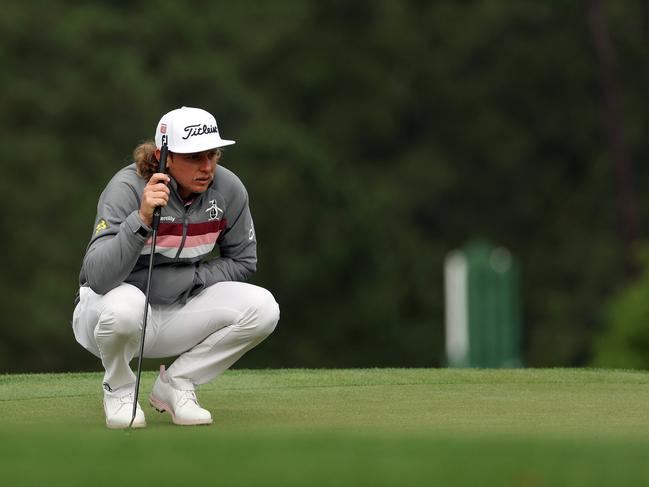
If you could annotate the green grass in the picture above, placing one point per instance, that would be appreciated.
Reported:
(369, 427)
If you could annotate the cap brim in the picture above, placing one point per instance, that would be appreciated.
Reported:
(204, 147)
(225, 142)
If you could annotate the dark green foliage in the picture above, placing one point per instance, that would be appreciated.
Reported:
(625, 340)
(373, 138)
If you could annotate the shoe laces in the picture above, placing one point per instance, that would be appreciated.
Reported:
(118, 402)
(187, 396)
(126, 398)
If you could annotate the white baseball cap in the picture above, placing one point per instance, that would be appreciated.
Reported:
(189, 130)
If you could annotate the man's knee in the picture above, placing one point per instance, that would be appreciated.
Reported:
(123, 312)
(265, 312)
(268, 314)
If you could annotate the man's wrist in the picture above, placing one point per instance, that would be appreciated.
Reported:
(146, 222)
(142, 232)
(143, 229)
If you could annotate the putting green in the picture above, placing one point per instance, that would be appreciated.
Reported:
(373, 427)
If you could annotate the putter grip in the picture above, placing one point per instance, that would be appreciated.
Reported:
(162, 167)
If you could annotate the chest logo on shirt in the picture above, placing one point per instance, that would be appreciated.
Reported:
(213, 211)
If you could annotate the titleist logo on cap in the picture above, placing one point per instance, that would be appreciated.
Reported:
(198, 129)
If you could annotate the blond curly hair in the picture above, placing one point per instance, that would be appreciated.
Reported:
(146, 162)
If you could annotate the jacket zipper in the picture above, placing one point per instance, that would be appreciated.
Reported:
(185, 226)
(182, 242)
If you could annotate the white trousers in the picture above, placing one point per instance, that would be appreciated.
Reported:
(208, 334)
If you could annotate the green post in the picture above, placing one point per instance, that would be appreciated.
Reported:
(485, 282)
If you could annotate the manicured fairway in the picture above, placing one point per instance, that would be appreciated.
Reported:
(369, 427)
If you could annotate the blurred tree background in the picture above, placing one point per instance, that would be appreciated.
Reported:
(373, 137)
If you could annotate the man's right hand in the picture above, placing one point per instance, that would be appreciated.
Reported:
(156, 193)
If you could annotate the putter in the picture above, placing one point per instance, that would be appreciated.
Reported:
(162, 165)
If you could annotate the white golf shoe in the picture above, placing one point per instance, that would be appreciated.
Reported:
(181, 404)
(118, 406)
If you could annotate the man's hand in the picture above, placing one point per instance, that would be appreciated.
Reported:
(156, 193)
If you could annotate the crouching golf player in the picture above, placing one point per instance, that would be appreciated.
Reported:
(199, 309)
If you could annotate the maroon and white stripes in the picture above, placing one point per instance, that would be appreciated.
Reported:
(200, 240)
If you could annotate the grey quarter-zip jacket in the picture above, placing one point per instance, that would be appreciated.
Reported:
(184, 262)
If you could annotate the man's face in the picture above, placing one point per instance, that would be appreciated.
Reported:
(192, 172)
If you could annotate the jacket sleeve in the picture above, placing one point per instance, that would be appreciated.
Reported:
(237, 245)
(115, 245)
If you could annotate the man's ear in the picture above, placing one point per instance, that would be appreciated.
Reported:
(157, 155)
